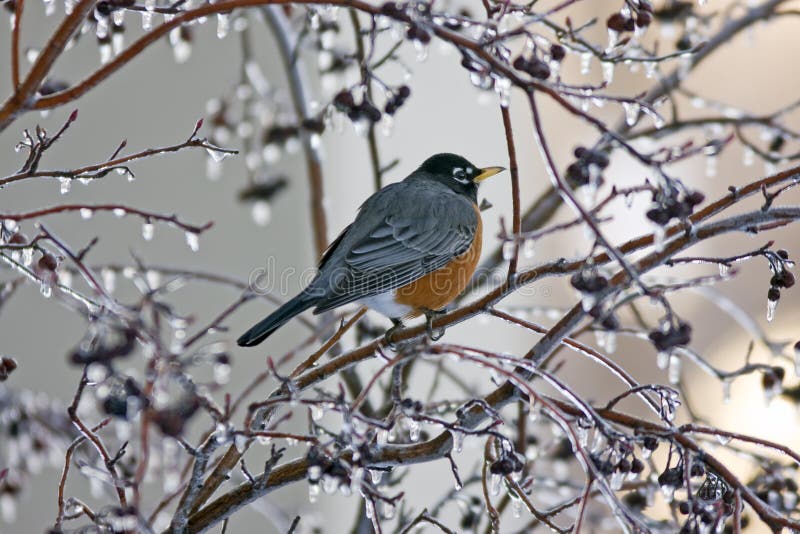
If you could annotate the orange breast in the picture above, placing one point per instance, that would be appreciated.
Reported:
(439, 288)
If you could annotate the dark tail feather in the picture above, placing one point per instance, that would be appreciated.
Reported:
(275, 320)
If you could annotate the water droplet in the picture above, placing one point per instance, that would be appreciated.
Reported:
(193, 240)
(147, 231)
(86, 213)
(389, 510)
(662, 360)
(118, 16)
(66, 183)
(118, 212)
(650, 69)
(261, 212)
(317, 412)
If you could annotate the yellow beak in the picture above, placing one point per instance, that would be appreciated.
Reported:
(486, 173)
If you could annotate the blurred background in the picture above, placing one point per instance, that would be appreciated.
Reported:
(156, 101)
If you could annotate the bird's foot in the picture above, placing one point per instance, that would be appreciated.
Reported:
(430, 316)
(387, 337)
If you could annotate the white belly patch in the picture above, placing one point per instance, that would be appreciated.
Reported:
(385, 304)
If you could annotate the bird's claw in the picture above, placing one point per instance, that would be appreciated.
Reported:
(387, 337)
(430, 316)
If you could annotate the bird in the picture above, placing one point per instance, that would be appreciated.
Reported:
(411, 249)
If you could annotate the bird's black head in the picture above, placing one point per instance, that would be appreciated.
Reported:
(457, 173)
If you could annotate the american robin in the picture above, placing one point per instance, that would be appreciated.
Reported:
(411, 250)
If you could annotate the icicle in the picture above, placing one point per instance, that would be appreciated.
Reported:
(494, 484)
(329, 484)
(668, 491)
(46, 287)
(389, 510)
(86, 213)
(147, 231)
(516, 505)
(508, 250)
(771, 307)
(27, 256)
(502, 87)
(193, 240)
(726, 390)
(674, 369)
(261, 212)
(387, 125)
(147, 14)
(608, 72)
(422, 50)
(797, 359)
(533, 411)
(723, 440)
(748, 156)
(181, 49)
(118, 17)
(616, 480)
(66, 183)
(49, 7)
(458, 441)
(376, 475)
(313, 493)
(631, 112)
(223, 25)
(724, 269)
(659, 237)
(711, 165)
(586, 62)
(317, 412)
(369, 508)
(222, 373)
(413, 430)
(529, 248)
(650, 69)
(109, 279)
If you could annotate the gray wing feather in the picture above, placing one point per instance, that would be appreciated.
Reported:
(397, 242)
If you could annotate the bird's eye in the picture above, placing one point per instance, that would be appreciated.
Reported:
(459, 174)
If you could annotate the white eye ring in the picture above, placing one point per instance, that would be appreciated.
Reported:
(460, 176)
